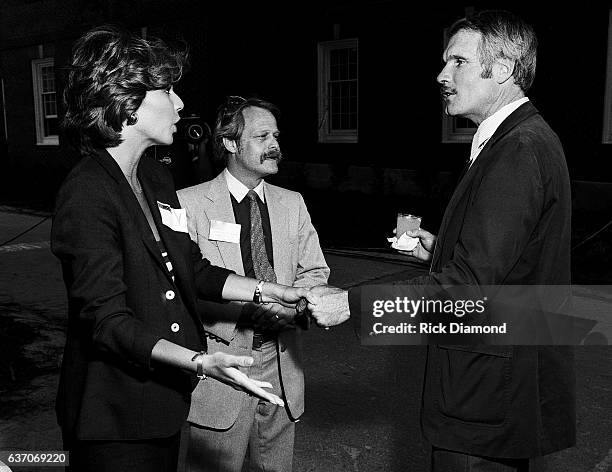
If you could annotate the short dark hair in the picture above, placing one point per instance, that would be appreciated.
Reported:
(504, 35)
(110, 72)
(230, 121)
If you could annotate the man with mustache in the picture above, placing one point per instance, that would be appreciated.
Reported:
(254, 228)
(494, 408)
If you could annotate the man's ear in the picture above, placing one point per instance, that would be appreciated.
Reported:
(230, 145)
(503, 70)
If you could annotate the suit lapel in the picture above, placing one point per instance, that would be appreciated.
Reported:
(221, 210)
(131, 203)
(279, 224)
(462, 186)
(155, 190)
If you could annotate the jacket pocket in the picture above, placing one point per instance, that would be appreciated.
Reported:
(475, 383)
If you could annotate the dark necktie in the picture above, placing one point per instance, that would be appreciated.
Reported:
(261, 264)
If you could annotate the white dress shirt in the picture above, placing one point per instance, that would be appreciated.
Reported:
(239, 190)
(490, 125)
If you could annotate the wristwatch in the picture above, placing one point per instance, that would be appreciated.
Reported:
(200, 366)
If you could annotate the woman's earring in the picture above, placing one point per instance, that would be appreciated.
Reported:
(132, 119)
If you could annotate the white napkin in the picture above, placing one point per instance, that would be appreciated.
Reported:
(404, 243)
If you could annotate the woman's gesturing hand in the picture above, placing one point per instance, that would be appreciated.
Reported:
(225, 368)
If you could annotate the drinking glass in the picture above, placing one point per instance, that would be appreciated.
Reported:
(406, 222)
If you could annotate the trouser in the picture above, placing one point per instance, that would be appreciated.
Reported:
(262, 432)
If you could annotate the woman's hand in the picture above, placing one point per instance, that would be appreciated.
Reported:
(284, 294)
(239, 288)
(224, 368)
(220, 366)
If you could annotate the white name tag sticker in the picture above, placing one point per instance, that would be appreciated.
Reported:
(173, 218)
(222, 231)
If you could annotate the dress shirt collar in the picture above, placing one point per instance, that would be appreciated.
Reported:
(490, 125)
(239, 190)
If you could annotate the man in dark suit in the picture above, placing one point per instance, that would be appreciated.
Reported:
(494, 408)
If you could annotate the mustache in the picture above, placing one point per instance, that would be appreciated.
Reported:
(272, 154)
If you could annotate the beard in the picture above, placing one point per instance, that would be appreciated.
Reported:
(275, 154)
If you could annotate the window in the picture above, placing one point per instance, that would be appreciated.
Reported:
(45, 102)
(456, 129)
(338, 97)
(607, 118)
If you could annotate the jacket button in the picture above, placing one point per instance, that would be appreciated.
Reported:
(170, 295)
(175, 327)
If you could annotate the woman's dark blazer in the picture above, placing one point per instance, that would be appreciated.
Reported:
(122, 301)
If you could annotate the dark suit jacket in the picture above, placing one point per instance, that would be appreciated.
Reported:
(507, 223)
(122, 300)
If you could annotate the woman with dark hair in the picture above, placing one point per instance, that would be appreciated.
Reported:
(134, 341)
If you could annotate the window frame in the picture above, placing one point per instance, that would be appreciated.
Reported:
(606, 135)
(39, 116)
(453, 133)
(325, 135)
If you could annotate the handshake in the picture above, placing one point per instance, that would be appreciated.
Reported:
(325, 304)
